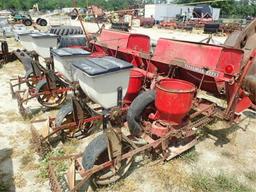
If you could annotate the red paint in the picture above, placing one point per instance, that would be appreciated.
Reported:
(135, 84)
(229, 69)
(173, 99)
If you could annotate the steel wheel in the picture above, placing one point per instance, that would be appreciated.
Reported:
(65, 116)
(32, 80)
(50, 100)
(96, 153)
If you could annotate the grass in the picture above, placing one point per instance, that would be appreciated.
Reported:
(207, 183)
(70, 146)
(189, 156)
(26, 158)
(60, 166)
(251, 175)
(28, 161)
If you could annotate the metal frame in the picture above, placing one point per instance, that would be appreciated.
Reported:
(209, 112)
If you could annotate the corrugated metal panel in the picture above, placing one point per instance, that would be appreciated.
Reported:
(167, 11)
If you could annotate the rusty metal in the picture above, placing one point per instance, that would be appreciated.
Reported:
(41, 146)
(54, 184)
(30, 94)
(245, 39)
(249, 85)
(41, 139)
(86, 174)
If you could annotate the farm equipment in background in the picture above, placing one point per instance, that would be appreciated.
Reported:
(156, 121)
(5, 55)
(26, 19)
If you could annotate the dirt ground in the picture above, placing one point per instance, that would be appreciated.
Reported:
(224, 160)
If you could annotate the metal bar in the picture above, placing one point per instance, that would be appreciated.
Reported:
(239, 83)
(147, 146)
(57, 129)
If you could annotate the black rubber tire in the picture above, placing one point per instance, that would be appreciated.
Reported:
(27, 22)
(136, 109)
(66, 32)
(58, 31)
(93, 150)
(71, 31)
(43, 22)
(62, 32)
(38, 20)
(63, 112)
(76, 31)
(91, 153)
(212, 25)
(39, 88)
(211, 30)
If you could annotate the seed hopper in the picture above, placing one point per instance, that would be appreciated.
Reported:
(74, 117)
(42, 80)
(165, 111)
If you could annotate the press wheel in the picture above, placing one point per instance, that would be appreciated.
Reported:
(96, 153)
(66, 115)
(32, 80)
(50, 100)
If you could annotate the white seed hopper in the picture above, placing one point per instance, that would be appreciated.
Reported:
(42, 42)
(99, 78)
(26, 41)
(63, 57)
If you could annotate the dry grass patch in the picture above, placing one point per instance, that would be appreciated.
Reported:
(19, 180)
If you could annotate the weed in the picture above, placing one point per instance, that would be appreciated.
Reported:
(189, 156)
(207, 183)
(60, 166)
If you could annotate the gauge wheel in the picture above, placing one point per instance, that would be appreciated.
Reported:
(32, 80)
(65, 116)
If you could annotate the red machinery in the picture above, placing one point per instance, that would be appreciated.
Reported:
(167, 115)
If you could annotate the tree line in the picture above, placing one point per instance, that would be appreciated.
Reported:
(229, 8)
